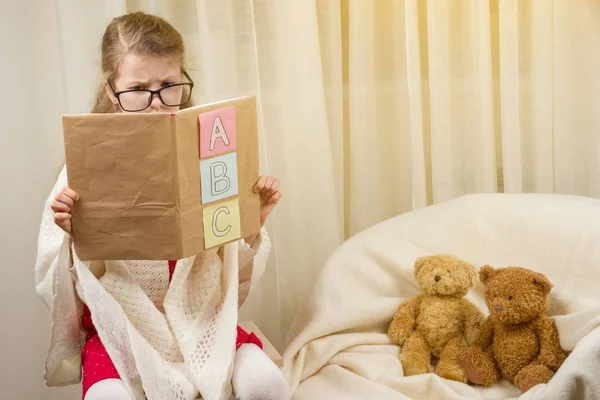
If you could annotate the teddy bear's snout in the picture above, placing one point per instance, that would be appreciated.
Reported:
(498, 308)
(437, 278)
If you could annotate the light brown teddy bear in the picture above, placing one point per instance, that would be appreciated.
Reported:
(517, 342)
(436, 322)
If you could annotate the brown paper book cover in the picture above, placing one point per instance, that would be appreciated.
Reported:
(159, 186)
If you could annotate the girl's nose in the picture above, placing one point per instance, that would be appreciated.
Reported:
(156, 104)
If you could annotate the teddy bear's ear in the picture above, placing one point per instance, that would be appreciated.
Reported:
(485, 273)
(472, 274)
(543, 282)
(419, 263)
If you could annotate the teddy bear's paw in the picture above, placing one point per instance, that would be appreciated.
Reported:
(478, 367)
(412, 367)
(400, 337)
(531, 376)
(452, 372)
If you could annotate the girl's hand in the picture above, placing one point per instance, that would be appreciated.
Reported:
(62, 204)
(268, 187)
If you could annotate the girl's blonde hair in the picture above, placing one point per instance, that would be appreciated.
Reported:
(137, 33)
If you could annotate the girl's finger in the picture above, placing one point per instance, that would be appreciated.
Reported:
(260, 184)
(275, 197)
(59, 207)
(273, 187)
(63, 198)
(71, 194)
(61, 217)
(268, 183)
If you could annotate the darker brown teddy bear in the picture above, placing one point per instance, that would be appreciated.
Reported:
(437, 321)
(517, 341)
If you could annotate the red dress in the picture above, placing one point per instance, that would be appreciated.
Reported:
(96, 363)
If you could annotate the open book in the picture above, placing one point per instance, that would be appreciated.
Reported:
(159, 186)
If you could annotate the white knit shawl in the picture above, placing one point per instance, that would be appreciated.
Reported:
(167, 341)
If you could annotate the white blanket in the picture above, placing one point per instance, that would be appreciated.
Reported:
(338, 347)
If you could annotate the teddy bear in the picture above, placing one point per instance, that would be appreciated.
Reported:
(438, 321)
(517, 341)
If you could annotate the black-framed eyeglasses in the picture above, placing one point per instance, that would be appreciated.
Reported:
(174, 95)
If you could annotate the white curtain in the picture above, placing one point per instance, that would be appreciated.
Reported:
(368, 109)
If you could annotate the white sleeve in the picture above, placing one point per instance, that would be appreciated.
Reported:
(252, 262)
(55, 285)
(51, 240)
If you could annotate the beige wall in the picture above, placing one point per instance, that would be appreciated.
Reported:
(30, 154)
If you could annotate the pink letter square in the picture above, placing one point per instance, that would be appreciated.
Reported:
(217, 131)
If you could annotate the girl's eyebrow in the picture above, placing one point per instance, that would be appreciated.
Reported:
(142, 82)
(136, 82)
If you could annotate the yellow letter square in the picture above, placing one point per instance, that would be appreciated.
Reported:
(221, 223)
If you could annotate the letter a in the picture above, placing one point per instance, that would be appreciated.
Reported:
(218, 131)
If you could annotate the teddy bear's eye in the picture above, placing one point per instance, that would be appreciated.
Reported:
(510, 297)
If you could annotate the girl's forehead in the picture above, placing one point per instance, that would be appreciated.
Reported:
(148, 67)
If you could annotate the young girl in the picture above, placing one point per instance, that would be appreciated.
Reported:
(164, 330)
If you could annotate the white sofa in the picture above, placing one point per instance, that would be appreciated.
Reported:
(339, 349)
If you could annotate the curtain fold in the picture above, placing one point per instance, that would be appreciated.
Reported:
(369, 109)
(417, 89)
(81, 25)
(576, 96)
(510, 101)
